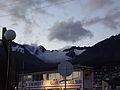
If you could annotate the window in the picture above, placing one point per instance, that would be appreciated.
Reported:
(37, 77)
(74, 75)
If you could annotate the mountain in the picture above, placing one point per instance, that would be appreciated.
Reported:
(32, 58)
(23, 58)
(106, 52)
(54, 56)
(36, 58)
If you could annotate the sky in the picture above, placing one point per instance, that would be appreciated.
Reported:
(57, 24)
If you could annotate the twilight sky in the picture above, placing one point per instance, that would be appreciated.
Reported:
(55, 24)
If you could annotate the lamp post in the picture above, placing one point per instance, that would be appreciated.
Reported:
(9, 36)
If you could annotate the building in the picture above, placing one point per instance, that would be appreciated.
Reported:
(52, 80)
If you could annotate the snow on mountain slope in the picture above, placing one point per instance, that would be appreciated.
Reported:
(53, 56)
(78, 52)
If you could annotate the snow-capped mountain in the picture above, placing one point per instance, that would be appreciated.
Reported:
(54, 56)
(35, 58)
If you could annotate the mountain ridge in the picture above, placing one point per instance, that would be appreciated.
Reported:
(102, 53)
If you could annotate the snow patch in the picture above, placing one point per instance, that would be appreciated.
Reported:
(47, 55)
(17, 48)
(53, 57)
(78, 52)
(33, 49)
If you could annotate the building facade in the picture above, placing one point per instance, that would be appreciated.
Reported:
(52, 80)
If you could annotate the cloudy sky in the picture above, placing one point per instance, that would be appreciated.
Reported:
(55, 24)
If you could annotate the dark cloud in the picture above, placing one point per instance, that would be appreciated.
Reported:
(24, 11)
(94, 5)
(112, 17)
(111, 20)
(68, 31)
(19, 9)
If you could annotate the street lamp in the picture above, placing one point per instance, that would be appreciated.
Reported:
(9, 36)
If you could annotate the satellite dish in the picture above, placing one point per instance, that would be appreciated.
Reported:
(65, 68)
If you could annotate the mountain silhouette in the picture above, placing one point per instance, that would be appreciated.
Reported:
(106, 52)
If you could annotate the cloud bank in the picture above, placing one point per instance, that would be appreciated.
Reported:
(24, 11)
(111, 20)
(68, 31)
